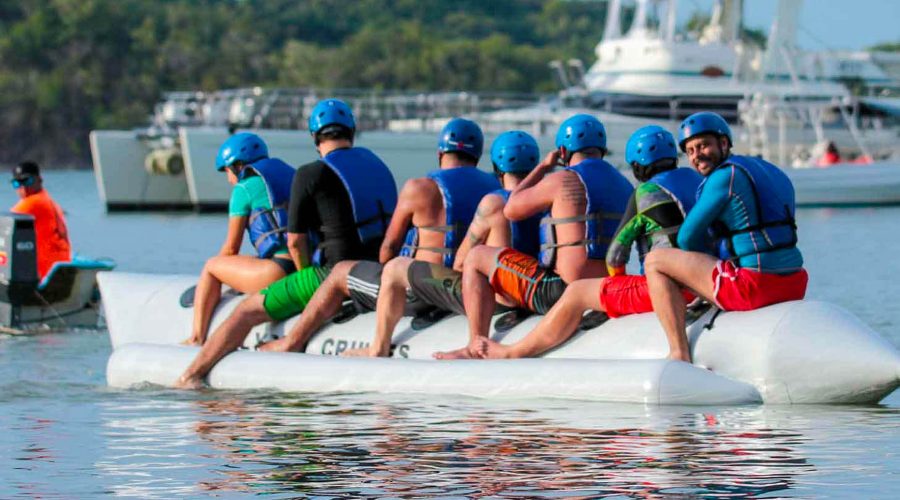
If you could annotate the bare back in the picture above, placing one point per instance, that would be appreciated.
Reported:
(420, 205)
(565, 195)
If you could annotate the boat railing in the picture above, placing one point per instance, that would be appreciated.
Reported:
(289, 108)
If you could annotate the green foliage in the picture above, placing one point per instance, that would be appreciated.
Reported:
(886, 47)
(70, 66)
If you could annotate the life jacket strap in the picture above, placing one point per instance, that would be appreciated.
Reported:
(556, 221)
(581, 243)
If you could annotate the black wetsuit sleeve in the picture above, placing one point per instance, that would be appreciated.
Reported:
(302, 209)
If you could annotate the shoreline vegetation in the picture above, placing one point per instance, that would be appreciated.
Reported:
(71, 66)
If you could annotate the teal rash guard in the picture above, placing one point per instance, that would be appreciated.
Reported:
(727, 198)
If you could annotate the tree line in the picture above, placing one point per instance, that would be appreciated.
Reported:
(70, 66)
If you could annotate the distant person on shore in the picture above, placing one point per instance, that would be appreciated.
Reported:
(655, 212)
(51, 235)
(748, 205)
(258, 206)
(339, 210)
(514, 154)
(581, 206)
(430, 223)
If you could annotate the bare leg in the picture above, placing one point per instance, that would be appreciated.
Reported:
(666, 270)
(242, 272)
(322, 306)
(555, 328)
(389, 309)
(228, 337)
(478, 299)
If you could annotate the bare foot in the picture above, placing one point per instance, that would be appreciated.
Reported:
(280, 345)
(488, 349)
(680, 356)
(189, 383)
(362, 352)
(461, 353)
(193, 340)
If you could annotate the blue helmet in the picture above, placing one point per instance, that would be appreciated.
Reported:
(515, 152)
(704, 122)
(331, 112)
(243, 147)
(649, 144)
(581, 132)
(461, 135)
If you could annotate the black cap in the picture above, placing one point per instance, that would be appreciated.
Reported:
(25, 170)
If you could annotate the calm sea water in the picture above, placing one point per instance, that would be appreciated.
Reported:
(66, 435)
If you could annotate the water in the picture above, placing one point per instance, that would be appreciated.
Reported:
(68, 435)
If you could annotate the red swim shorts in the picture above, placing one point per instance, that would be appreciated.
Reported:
(624, 295)
(740, 289)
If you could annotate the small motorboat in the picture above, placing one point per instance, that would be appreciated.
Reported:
(67, 297)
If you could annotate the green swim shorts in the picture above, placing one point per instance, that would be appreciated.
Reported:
(289, 295)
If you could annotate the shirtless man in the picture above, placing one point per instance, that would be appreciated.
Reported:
(585, 202)
(748, 203)
(431, 233)
(513, 155)
(655, 212)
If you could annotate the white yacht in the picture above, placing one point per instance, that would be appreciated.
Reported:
(780, 100)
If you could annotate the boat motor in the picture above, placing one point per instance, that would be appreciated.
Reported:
(18, 263)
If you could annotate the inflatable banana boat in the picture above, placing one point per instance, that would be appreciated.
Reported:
(795, 352)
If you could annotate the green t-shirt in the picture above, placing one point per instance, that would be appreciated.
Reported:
(247, 195)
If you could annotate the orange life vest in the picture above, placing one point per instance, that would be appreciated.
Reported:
(51, 235)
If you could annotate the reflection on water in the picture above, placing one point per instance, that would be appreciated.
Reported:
(290, 445)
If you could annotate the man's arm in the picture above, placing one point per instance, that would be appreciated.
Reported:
(520, 205)
(693, 234)
(620, 247)
(408, 201)
(298, 246)
(300, 207)
(488, 220)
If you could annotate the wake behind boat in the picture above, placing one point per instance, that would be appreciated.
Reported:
(794, 352)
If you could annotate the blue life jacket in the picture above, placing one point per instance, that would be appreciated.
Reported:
(681, 184)
(267, 227)
(371, 187)
(774, 227)
(461, 190)
(525, 233)
(607, 193)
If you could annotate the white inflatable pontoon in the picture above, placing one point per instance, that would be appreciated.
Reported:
(796, 352)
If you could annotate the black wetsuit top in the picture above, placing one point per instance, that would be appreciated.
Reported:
(320, 203)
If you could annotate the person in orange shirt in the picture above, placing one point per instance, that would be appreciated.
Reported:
(51, 236)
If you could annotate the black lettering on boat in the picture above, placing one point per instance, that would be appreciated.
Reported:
(341, 347)
(326, 347)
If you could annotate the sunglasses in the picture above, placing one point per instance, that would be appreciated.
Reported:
(26, 182)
